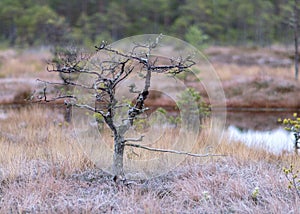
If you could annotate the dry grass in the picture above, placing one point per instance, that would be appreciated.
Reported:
(27, 63)
(234, 71)
(43, 170)
(245, 85)
(19, 70)
(36, 134)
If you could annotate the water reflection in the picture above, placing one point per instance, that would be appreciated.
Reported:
(275, 141)
(251, 119)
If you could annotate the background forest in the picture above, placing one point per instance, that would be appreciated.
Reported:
(87, 22)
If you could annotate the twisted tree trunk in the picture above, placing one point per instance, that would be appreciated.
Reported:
(119, 147)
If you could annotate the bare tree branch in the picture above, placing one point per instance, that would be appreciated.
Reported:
(134, 139)
(63, 84)
(172, 151)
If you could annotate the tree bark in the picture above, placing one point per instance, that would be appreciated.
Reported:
(119, 147)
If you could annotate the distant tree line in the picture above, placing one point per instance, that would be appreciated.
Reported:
(86, 22)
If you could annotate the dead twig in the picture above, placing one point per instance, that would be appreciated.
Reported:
(173, 151)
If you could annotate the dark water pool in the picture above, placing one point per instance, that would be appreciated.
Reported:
(261, 129)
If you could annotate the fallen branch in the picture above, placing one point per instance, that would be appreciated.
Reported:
(172, 151)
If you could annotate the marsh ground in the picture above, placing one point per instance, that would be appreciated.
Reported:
(251, 77)
(44, 170)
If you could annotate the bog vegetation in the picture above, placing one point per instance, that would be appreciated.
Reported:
(43, 169)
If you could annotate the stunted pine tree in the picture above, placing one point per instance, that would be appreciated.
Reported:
(103, 77)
